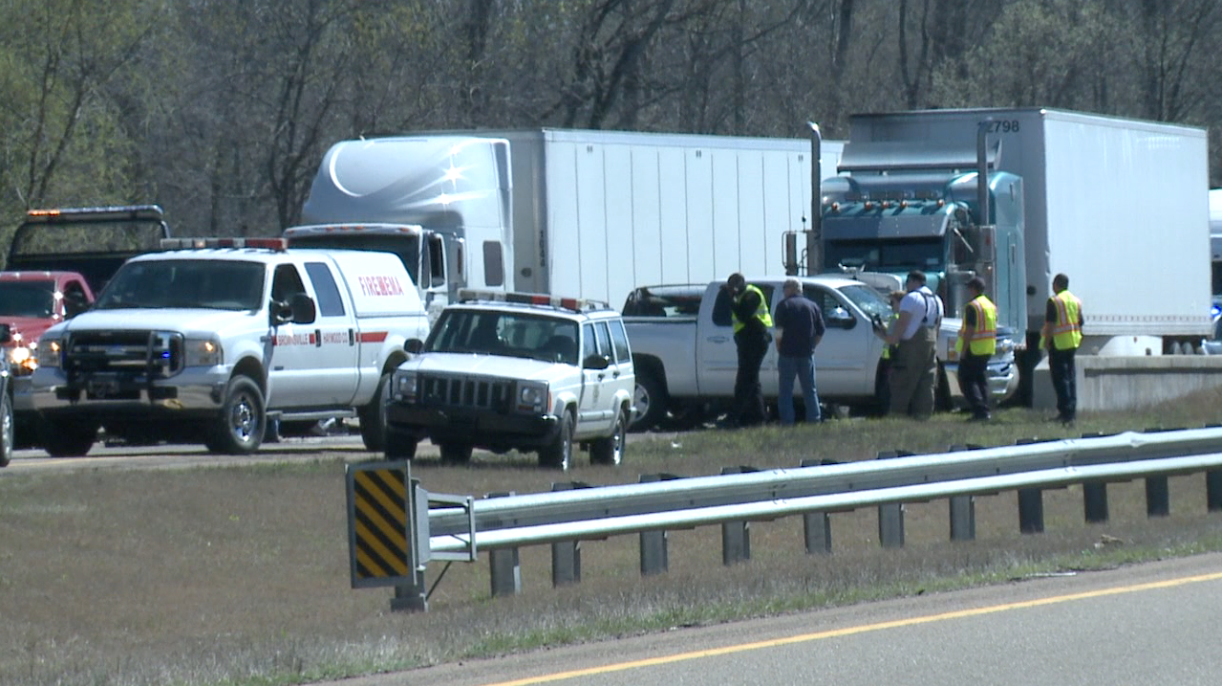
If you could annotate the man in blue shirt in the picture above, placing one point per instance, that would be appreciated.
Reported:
(799, 327)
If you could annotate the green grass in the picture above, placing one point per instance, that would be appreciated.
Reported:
(239, 575)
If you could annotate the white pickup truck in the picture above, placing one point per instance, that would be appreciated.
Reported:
(685, 358)
(212, 339)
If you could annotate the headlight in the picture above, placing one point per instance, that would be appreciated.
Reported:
(203, 352)
(532, 397)
(1005, 346)
(48, 352)
(405, 386)
(23, 359)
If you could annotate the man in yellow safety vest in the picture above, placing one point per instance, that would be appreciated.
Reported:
(1062, 335)
(752, 323)
(976, 344)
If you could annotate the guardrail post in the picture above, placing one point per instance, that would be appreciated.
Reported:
(1094, 501)
(736, 536)
(654, 557)
(963, 507)
(1031, 510)
(817, 526)
(1213, 490)
(1158, 496)
(566, 555)
(891, 515)
(504, 565)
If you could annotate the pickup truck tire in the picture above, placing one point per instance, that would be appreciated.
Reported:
(69, 439)
(559, 455)
(373, 417)
(455, 453)
(6, 430)
(399, 446)
(239, 429)
(610, 450)
(650, 399)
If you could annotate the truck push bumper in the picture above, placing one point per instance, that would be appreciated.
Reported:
(101, 395)
(475, 427)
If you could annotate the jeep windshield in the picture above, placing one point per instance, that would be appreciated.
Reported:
(189, 284)
(490, 332)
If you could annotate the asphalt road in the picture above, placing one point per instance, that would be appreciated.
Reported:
(1147, 624)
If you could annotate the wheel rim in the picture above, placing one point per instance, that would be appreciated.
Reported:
(243, 420)
(640, 402)
(617, 449)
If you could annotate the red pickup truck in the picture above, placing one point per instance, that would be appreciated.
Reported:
(30, 303)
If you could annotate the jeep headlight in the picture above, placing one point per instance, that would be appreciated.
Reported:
(202, 352)
(406, 386)
(48, 352)
(532, 397)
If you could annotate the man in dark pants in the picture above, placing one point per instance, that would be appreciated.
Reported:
(799, 328)
(1061, 336)
(976, 343)
(751, 320)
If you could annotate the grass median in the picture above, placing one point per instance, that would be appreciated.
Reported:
(239, 575)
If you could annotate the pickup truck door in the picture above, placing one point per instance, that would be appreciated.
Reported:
(337, 365)
(716, 352)
(847, 357)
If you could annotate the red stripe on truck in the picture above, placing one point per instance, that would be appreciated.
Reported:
(372, 336)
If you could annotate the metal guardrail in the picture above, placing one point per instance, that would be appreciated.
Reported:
(500, 525)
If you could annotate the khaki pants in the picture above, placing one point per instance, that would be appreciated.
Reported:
(914, 367)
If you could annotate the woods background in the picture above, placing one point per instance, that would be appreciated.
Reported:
(221, 110)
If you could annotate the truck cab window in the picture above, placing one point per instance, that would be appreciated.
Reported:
(286, 283)
(329, 302)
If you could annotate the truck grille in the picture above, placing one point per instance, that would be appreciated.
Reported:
(155, 354)
(467, 392)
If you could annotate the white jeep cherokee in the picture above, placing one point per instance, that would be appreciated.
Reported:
(511, 371)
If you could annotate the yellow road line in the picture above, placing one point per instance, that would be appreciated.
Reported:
(849, 631)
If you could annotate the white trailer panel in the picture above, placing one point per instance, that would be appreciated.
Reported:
(597, 213)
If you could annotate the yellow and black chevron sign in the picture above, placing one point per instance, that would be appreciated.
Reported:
(378, 507)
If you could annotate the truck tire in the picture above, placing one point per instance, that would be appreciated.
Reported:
(6, 430)
(559, 455)
(399, 446)
(69, 439)
(650, 400)
(610, 450)
(239, 429)
(373, 417)
(455, 453)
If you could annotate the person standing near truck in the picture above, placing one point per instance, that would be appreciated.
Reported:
(976, 343)
(749, 315)
(799, 328)
(1061, 336)
(914, 365)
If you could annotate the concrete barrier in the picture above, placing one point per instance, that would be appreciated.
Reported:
(1126, 383)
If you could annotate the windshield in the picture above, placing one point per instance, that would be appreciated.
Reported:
(505, 333)
(27, 299)
(886, 256)
(206, 284)
(868, 300)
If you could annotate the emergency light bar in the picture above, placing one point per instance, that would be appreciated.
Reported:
(277, 244)
(574, 304)
(107, 213)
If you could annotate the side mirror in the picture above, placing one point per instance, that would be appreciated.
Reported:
(840, 318)
(298, 310)
(596, 362)
(74, 304)
(414, 346)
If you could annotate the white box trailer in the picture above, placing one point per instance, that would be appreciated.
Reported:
(1120, 206)
(597, 213)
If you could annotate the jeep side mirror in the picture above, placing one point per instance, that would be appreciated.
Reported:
(596, 362)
